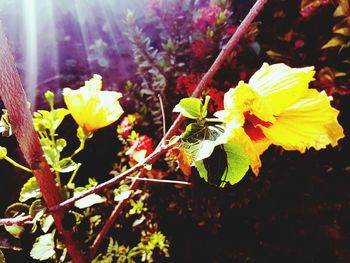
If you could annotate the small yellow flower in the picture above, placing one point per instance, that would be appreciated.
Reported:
(92, 108)
(277, 107)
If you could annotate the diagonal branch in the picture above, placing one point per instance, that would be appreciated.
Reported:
(241, 30)
(243, 27)
(15, 101)
(18, 220)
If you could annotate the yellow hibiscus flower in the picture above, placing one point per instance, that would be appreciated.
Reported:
(91, 107)
(277, 107)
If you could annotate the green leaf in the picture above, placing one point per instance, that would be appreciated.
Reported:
(43, 247)
(60, 144)
(52, 155)
(345, 31)
(334, 42)
(15, 230)
(2, 257)
(58, 116)
(121, 193)
(37, 210)
(46, 223)
(199, 141)
(30, 190)
(89, 200)
(14, 210)
(237, 165)
(50, 97)
(190, 108)
(66, 165)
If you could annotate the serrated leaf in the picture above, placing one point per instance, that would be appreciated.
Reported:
(199, 141)
(30, 190)
(190, 108)
(237, 163)
(43, 247)
(52, 155)
(89, 200)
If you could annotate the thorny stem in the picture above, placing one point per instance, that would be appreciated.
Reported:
(243, 27)
(15, 164)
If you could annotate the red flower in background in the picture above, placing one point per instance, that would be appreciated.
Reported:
(299, 43)
(127, 125)
(140, 148)
(200, 50)
(207, 17)
(217, 100)
(186, 84)
(231, 30)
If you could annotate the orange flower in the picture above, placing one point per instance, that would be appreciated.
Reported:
(92, 108)
(277, 107)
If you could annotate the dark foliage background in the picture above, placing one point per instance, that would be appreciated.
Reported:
(297, 210)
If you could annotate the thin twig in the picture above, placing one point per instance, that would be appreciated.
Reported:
(164, 181)
(18, 220)
(163, 116)
(243, 27)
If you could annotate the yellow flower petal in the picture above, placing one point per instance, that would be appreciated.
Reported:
(236, 102)
(92, 108)
(280, 85)
(311, 122)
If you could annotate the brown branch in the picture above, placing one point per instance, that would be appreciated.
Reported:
(18, 220)
(148, 160)
(243, 27)
(15, 101)
(110, 221)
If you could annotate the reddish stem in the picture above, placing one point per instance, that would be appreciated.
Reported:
(18, 220)
(243, 27)
(15, 101)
